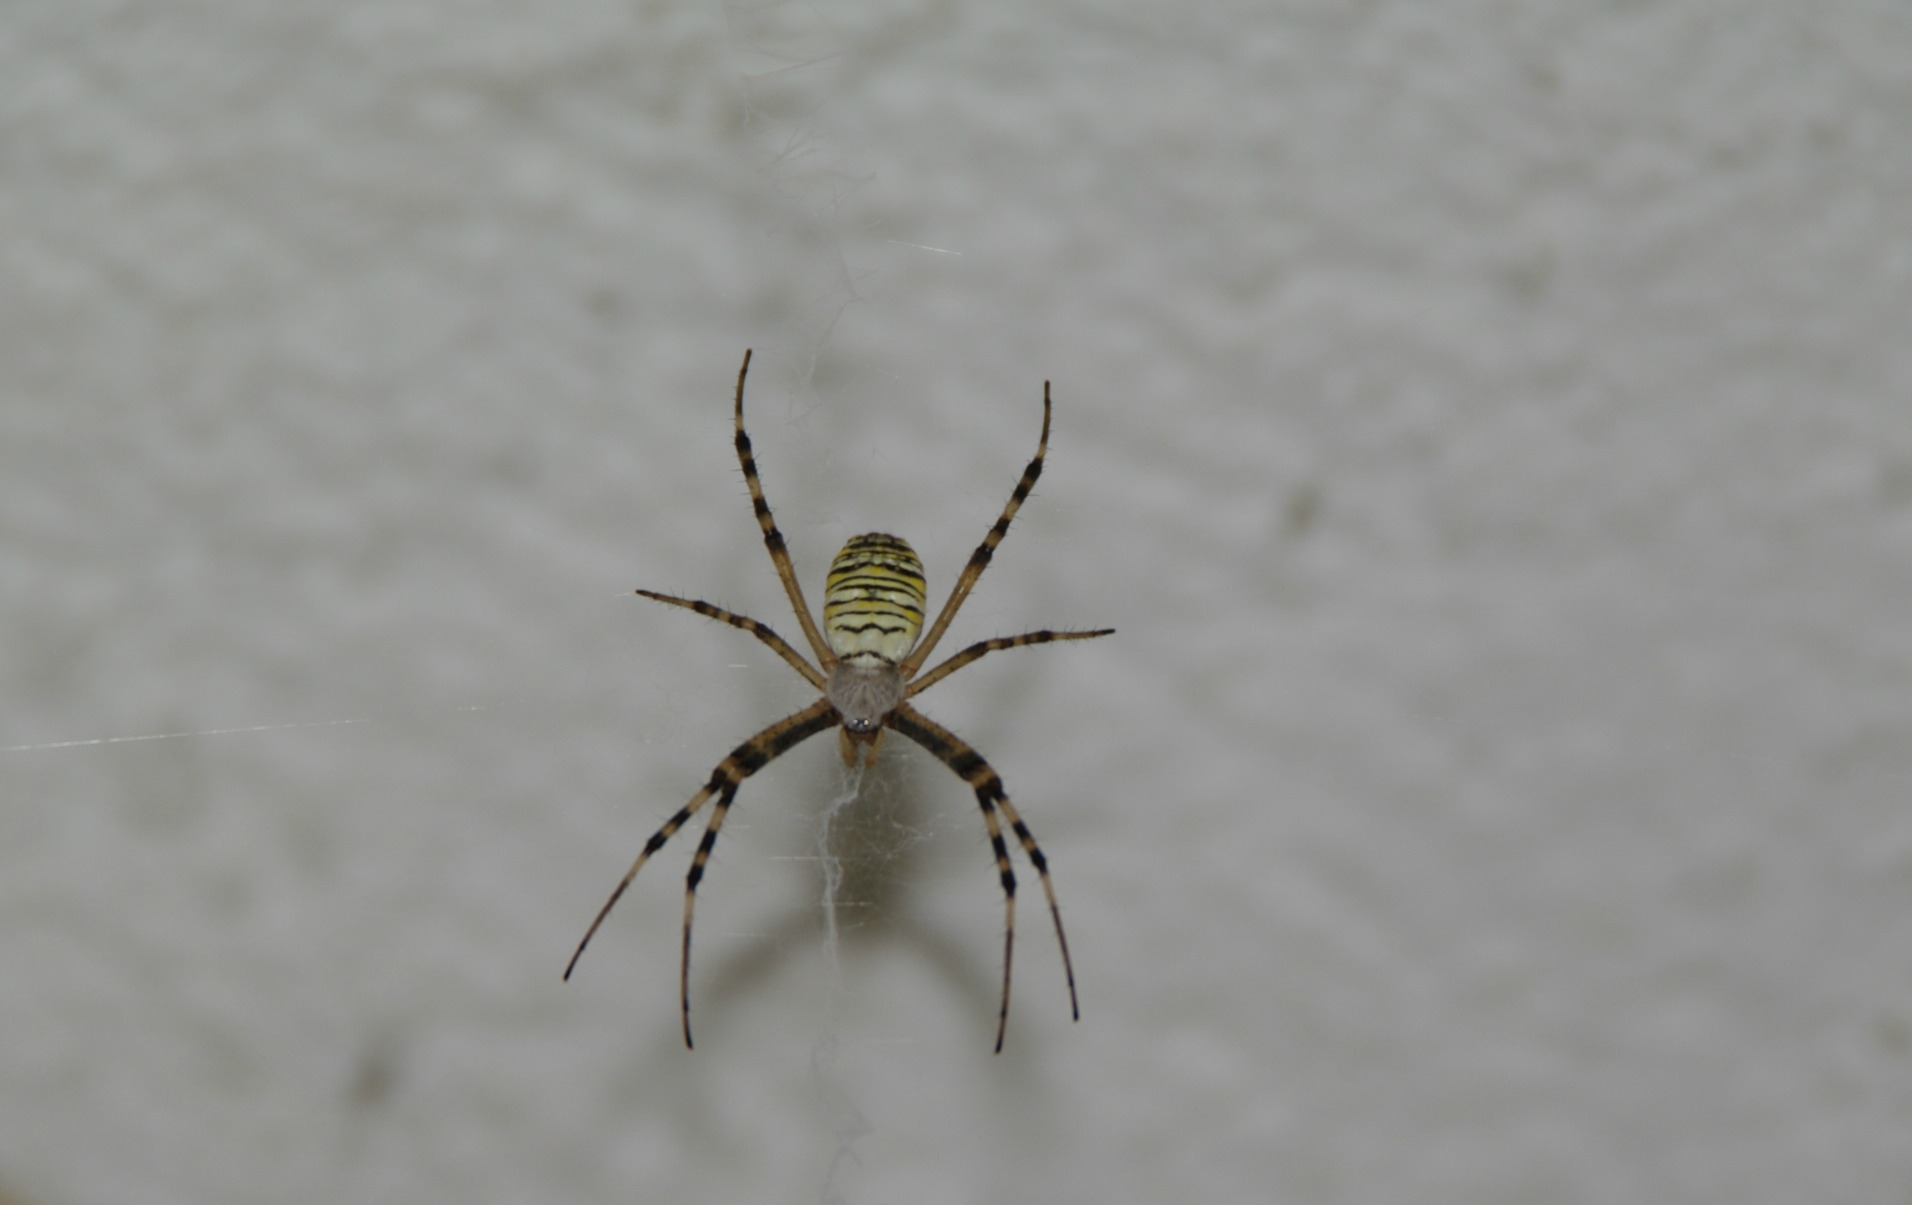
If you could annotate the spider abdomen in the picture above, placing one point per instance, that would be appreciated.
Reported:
(873, 600)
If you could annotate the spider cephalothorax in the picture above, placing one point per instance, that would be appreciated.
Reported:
(872, 614)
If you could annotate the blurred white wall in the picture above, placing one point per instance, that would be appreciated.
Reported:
(1486, 424)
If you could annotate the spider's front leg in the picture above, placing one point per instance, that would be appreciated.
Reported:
(969, 765)
(746, 759)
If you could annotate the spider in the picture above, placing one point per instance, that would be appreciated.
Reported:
(867, 670)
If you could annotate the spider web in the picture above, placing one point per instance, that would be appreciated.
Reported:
(832, 868)
(868, 842)
(846, 1122)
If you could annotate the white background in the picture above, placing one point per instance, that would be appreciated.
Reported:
(1488, 425)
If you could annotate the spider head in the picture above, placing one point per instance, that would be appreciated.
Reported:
(863, 690)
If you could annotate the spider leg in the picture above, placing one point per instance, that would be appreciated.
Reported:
(976, 650)
(746, 759)
(949, 749)
(772, 538)
(760, 631)
(979, 560)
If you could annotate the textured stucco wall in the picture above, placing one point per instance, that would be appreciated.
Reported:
(1489, 426)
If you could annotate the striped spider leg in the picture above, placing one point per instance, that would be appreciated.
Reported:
(867, 662)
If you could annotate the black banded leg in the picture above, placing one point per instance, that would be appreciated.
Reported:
(759, 630)
(976, 650)
(746, 759)
(772, 538)
(651, 846)
(979, 560)
(1008, 876)
(1034, 853)
(691, 880)
(969, 765)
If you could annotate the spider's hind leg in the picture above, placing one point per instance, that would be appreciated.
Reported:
(979, 560)
(772, 538)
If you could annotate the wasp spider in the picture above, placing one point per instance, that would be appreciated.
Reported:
(867, 662)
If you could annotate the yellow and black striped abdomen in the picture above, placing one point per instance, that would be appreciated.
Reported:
(873, 601)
